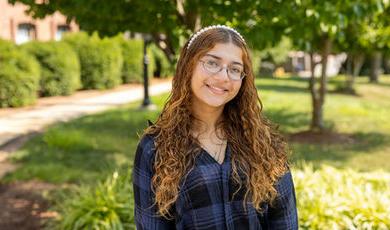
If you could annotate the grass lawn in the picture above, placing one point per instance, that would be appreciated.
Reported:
(90, 148)
(363, 117)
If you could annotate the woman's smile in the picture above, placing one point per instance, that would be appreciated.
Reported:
(218, 90)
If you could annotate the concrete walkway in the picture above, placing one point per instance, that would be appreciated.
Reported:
(16, 123)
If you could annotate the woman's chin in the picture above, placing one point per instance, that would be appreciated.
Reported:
(214, 103)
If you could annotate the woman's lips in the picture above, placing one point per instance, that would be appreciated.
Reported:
(216, 90)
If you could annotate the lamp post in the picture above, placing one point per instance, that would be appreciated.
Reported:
(146, 104)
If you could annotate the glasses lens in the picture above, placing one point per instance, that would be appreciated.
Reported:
(212, 66)
(235, 72)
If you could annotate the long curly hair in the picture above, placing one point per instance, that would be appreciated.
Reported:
(258, 151)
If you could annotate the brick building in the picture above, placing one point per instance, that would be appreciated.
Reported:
(19, 27)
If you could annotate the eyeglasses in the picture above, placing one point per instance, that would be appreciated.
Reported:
(235, 72)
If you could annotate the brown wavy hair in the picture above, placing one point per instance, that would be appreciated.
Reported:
(257, 151)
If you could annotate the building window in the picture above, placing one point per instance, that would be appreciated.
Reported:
(26, 32)
(61, 30)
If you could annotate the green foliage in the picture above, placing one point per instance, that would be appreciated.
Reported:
(100, 60)
(132, 52)
(60, 67)
(261, 24)
(343, 21)
(107, 206)
(278, 53)
(256, 61)
(19, 76)
(327, 198)
(330, 198)
(6, 45)
(162, 67)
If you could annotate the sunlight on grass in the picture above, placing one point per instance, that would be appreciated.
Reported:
(91, 147)
(93, 156)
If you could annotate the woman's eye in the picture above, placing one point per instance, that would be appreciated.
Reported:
(236, 70)
(212, 63)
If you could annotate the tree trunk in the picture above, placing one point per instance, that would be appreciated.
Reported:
(349, 74)
(313, 93)
(375, 66)
(318, 96)
(165, 44)
(358, 61)
(386, 64)
(355, 63)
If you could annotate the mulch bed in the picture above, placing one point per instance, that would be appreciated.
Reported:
(23, 207)
(325, 137)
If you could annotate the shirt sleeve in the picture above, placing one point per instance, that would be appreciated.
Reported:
(145, 213)
(283, 213)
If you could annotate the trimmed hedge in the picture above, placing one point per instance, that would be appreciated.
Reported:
(163, 68)
(60, 67)
(19, 76)
(132, 51)
(100, 60)
(133, 54)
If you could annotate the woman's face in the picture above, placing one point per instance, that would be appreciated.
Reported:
(217, 89)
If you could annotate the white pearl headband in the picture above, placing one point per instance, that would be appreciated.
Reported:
(213, 27)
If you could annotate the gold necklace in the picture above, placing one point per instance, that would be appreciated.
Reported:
(216, 155)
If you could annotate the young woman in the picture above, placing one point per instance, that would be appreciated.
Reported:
(211, 160)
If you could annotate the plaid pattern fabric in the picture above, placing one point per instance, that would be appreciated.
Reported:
(205, 198)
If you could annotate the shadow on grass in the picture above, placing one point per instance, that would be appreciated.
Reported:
(287, 120)
(288, 85)
(340, 154)
(385, 84)
(290, 122)
(86, 149)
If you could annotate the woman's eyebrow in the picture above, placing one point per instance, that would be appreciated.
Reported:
(219, 58)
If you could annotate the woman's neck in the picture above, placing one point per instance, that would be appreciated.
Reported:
(209, 117)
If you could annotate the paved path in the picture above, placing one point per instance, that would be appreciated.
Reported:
(20, 122)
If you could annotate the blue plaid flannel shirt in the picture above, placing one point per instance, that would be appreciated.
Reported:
(205, 198)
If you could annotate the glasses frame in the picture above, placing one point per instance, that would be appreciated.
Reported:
(243, 74)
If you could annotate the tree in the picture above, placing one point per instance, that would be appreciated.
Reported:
(354, 39)
(168, 21)
(376, 37)
(314, 27)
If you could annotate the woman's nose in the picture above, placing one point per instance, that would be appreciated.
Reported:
(224, 73)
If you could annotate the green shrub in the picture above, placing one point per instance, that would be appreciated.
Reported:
(60, 68)
(330, 198)
(163, 68)
(108, 206)
(327, 198)
(256, 60)
(133, 54)
(76, 40)
(100, 60)
(6, 45)
(19, 76)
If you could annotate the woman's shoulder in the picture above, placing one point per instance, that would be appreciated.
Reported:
(146, 140)
(285, 184)
(145, 149)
